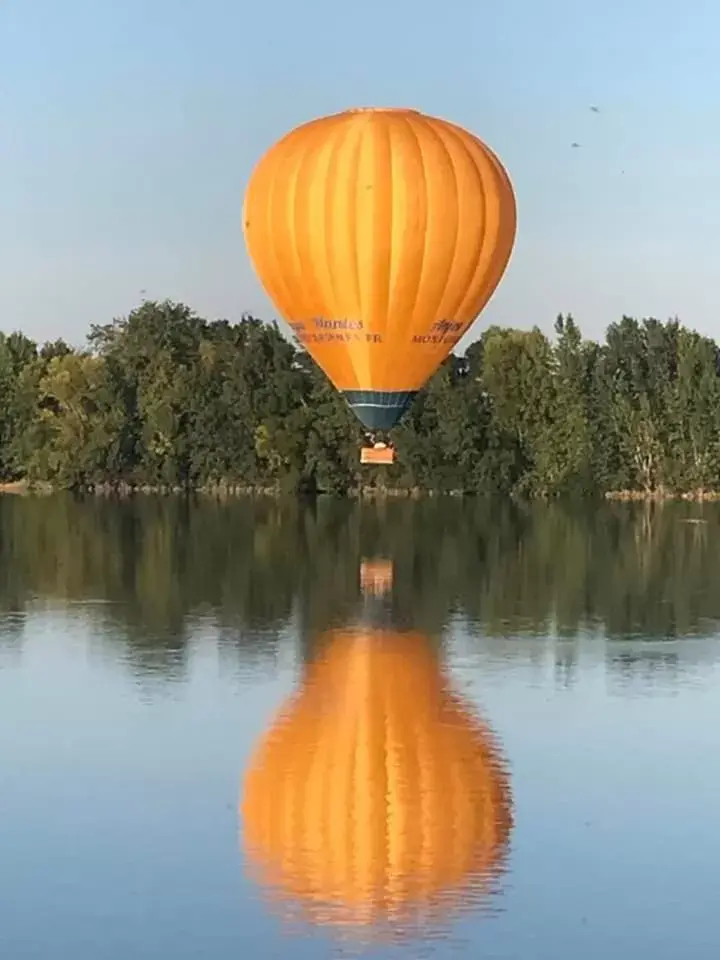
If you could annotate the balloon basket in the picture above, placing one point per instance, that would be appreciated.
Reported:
(378, 454)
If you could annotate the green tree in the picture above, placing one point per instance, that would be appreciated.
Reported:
(166, 399)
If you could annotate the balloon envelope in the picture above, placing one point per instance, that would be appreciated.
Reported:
(380, 235)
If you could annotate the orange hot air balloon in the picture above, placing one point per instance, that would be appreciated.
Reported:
(376, 798)
(380, 235)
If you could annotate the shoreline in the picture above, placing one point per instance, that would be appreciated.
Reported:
(224, 491)
(663, 496)
(220, 491)
(16, 487)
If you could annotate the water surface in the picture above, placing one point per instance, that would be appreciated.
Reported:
(510, 753)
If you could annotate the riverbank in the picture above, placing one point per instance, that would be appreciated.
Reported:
(220, 491)
(662, 495)
(224, 491)
(19, 487)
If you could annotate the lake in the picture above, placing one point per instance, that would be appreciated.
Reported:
(416, 729)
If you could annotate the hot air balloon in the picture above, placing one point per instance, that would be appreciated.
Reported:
(380, 235)
(377, 800)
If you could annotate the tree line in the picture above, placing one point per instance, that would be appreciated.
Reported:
(164, 399)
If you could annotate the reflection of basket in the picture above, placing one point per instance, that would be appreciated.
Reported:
(377, 454)
(376, 576)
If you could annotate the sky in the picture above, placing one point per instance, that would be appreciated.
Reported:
(128, 132)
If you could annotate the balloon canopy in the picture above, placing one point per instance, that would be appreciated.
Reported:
(380, 235)
(377, 797)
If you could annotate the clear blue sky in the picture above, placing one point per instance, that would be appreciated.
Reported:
(128, 130)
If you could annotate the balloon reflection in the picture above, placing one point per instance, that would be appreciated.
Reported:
(376, 799)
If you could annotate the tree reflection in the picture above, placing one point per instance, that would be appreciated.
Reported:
(250, 571)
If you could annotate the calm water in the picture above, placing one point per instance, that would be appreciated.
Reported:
(222, 731)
